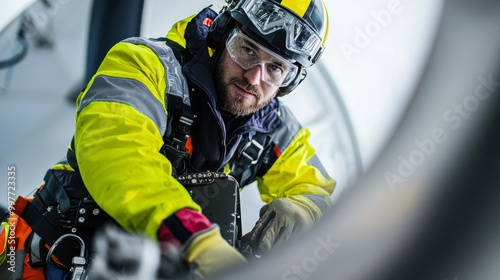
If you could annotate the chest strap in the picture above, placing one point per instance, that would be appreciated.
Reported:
(249, 156)
(180, 119)
(178, 128)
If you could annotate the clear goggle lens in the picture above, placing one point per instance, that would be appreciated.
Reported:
(248, 54)
(269, 17)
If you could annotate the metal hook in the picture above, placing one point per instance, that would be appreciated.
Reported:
(69, 235)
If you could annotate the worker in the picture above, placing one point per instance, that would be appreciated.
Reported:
(202, 99)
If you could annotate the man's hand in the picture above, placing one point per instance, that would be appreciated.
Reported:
(278, 220)
(208, 253)
(201, 245)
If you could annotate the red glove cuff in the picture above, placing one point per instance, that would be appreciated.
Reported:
(182, 225)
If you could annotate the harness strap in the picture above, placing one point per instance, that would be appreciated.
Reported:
(177, 134)
(53, 194)
(239, 229)
(179, 125)
(39, 224)
(180, 119)
(249, 155)
(179, 52)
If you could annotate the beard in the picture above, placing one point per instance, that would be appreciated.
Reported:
(236, 105)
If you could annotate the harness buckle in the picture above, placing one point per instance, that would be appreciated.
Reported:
(185, 120)
(249, 146)
(179, 140)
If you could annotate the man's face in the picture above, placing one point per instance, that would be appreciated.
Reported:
(241, 92)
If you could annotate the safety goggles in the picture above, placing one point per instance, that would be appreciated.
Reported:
(248, 54)
(269, 17)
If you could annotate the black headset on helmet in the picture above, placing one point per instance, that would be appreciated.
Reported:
(223, 24)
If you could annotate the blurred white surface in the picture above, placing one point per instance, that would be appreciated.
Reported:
(11, 9)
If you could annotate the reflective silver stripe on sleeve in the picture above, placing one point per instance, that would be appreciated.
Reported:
(284, 135)
(176, 82)
(318, 200)
(127, 91)
(314, 161)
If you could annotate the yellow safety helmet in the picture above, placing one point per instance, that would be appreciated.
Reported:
(295, 29)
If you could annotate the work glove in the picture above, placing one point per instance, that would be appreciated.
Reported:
(278, 220)
(208, 253)
(202, 247)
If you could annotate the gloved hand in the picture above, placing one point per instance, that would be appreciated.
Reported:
(209, 253)
(200, 243)
(278, 220)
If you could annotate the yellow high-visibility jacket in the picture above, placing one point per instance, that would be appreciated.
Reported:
(122, 115)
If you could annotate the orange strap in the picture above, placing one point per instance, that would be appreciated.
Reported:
(189, 147)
